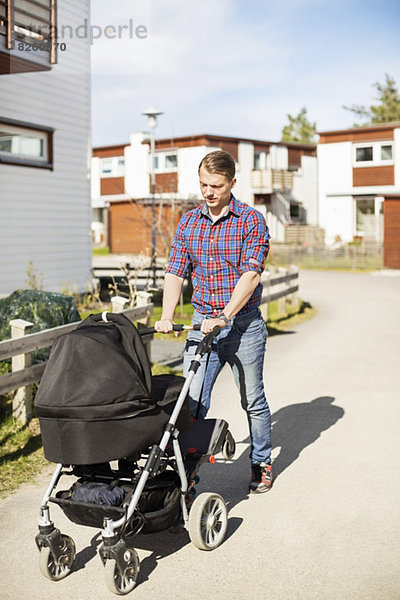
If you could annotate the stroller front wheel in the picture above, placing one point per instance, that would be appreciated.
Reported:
(57, 569)
(208, 520)
(122, 581)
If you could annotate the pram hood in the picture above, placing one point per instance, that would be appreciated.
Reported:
(100, 371)
(95, 402)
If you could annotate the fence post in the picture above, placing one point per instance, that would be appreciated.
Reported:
(281, 287)
(142, 299)
(265, 280)
(22, 401)
(118, 304)
(292, 298)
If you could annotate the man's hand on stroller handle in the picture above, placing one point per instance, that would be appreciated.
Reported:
(166, 326)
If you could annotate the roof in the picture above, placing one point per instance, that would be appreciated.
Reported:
(364, 128)
(107, 151)
(224, 138)
(200, 139)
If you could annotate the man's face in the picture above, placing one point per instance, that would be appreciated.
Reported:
(216, 189)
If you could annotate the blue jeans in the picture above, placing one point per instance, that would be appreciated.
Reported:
(241, 344)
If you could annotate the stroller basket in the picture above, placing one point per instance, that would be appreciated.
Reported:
(158, 507)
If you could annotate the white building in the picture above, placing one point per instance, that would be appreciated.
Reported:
(359, 186)
(279, 179)
(44, 146)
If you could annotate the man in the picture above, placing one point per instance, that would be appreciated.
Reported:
(225, 243)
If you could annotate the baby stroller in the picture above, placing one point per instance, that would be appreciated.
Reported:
(99, 404)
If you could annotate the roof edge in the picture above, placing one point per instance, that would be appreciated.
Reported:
(375, 127)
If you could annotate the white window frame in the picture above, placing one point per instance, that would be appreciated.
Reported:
(19, 128)
(160, 166)
(262, 159)
(376, 154)
(116, 170)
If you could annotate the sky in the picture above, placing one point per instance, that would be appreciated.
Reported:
(237, 67)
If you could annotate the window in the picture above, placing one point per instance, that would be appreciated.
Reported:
(106, 166)
(260, 161)
(165, 162)
(364, 154)
(113, 166)
(365, 211)
(171, 161)
(25, 144)
(386, 152)
(375, 153)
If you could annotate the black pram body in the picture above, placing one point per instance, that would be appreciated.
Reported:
(116, 411)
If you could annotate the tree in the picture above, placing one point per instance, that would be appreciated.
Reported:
(300, 129)
(388, 108)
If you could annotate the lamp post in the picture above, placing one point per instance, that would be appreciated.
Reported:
(152, 115)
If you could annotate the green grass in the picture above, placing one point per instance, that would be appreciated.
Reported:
(101, 251)
(21, 452)
(279, 323)
(357, 264)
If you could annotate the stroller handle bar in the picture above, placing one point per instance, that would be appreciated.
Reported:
(149, 330)
(204, 346)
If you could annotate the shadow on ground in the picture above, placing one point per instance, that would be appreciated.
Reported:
(294, 428)
(297, 426)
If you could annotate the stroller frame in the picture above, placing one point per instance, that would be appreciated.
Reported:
(57, 551)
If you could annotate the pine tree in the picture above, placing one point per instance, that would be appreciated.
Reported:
(299, 129)
(388, 108)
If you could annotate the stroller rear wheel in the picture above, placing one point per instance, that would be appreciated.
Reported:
(122, 580)
(55, 569)
(208, 520)
(229, 446)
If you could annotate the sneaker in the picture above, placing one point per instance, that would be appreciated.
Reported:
(261, 478)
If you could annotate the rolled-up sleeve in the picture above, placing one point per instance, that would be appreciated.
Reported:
(179, 259)
(255, 246)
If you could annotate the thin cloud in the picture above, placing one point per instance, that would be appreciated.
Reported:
(231, 68)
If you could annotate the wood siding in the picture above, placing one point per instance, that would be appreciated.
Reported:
(217, 140)
(185, 142)
(294, 157)
(130, 226)
(231, 147)
(366, 176)
(226, 144)
(107, 151)
(391, 245)
(112, 185)
(18, 65)
(358, 135)
(46, 215)
(166, 183)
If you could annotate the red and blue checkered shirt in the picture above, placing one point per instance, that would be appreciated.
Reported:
(219, 253)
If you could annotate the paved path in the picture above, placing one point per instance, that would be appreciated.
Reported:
(330, 528)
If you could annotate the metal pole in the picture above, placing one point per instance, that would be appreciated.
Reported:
(152, 115)
(153, 206)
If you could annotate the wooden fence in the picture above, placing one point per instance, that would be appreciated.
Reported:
(20, 347)
(281, 286)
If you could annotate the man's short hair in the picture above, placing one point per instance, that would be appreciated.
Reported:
(219, 162)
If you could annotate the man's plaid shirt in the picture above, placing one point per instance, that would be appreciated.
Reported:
(219, 253)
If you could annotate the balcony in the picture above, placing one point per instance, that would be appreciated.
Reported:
(27, 35)
(269, 180)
